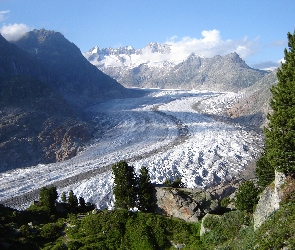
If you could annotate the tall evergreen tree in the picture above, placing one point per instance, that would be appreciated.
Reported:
(82, 203)
(145, 191)
(48, 197)
(124, 185)
(72, 200)
(280, 134)
(63, 197)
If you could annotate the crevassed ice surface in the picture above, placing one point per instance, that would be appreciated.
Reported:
(145, 131)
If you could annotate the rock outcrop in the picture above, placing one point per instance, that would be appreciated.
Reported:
(269, 200)
(187, 204)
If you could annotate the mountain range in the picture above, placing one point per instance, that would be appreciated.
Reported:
(46, 83)
(157, 65)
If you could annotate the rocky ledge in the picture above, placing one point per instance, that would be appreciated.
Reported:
(187, 204)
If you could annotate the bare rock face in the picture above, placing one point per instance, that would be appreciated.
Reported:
(36, 124)
(253, 107)
(187, 204)
(61, 140)
(269, 200)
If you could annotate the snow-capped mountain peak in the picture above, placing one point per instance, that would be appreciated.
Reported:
(155, 47)
(153, 54)
(94, 50)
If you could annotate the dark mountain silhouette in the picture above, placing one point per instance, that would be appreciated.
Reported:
(78, 81)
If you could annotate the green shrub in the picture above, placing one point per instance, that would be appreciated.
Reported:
(167, 182)
(264, 171)
(177, 183)
(74, 245)
(50, 231)
(223, 227)
(225, 202)
(25, 230)
(247, 196)
(139, 235)
(278, 231)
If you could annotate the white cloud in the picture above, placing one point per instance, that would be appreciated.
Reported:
(13, 32)
(211, 44)
(268, 65)
(2, 14)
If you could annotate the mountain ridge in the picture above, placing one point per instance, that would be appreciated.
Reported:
(72, 75)
(156, 66)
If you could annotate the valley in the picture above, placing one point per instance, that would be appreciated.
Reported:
(162, 130)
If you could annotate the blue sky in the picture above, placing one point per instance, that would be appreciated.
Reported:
(256, 29)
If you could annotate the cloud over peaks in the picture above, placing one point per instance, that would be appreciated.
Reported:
(212, 44)
(13, 32)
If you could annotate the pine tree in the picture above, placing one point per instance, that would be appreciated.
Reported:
(124, 185)
(63, 197)
(280, 135)
(145, 191)
(48, 197)
(82, 202)
(247, 196)
(72, 200)
(264, 171)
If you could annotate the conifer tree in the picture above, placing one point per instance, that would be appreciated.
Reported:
(72, 199)
(264, 171)
(82, 202)
(124, 185)
(247, 196)
(48, 197)
(145, 191)
(63, 197)
(280, 134)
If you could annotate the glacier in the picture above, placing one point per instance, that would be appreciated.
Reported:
(173, 133)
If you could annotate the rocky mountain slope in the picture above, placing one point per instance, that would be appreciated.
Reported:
(45, 83)
(36, 124)
(253, 107)
(75, 78)
(156, 66)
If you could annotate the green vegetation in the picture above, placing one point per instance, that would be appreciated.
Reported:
(223, 230)
(177, 183)
(145, 191)
(278, 231)
(122, 229)
(280, 134)
(69, 227)
(247, 196)
(124, 185)
(48, 197)
(117, 229)
(130, 190)
(264, 171)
